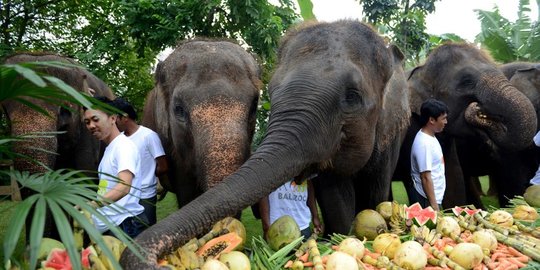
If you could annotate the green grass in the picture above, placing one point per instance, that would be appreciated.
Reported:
(168, 205)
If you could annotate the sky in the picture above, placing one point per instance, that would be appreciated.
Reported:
(451, 16)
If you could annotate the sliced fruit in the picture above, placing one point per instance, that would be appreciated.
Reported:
(58, 259)
(222, 244)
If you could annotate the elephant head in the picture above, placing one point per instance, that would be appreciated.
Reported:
(481, 100)
(75, 147)
(204, 109)
(339, 104)
(526, 79)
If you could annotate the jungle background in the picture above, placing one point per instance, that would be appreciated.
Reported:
(119, 41)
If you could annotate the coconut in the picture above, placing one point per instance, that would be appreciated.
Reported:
(532, 195)
(282, 232)
(213, 264)
(501, 218)
(485, 239)
(369, 223)
(386, 244)
(385, 209)
(448, 225)
(525, 212)
(341, 261)
(467, 255)
(235, 260)
(410, 255)
(353, 247)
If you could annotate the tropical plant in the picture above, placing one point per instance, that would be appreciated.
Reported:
(510, 41)
(57, 192)
(403, 21)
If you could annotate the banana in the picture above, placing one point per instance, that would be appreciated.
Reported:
(96, 263)
(174, 260)
(188, 258)
(115, 246)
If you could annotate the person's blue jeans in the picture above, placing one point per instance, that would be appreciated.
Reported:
(306, 233)
(417, 197)
(149, 205)
(132, 226)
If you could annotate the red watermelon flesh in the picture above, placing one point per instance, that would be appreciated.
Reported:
(422, 216)
(85, 261)
(58, 259)
(464, 211)
(413, 209)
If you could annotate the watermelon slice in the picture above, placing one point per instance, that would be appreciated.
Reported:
(422, 216)
(58, 259)
(412, 210)
(459, 211)
(85, 254)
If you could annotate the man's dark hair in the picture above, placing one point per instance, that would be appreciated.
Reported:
(431, 108)
(102, 99)
(125, 106)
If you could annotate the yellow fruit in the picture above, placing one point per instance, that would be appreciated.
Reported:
(525, 212)
(501, 218)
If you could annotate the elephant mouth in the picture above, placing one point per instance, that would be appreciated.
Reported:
(476, 116)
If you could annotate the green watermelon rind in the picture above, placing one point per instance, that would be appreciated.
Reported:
(459, 211)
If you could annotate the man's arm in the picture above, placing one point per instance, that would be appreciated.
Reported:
(162, 166)
(427, 185)
(312, 204)
(118, 191)
(264, 209)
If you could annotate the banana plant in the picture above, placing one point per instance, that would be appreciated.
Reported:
(510, 41)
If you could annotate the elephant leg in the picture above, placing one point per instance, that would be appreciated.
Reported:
(335, 196)
(455, 193)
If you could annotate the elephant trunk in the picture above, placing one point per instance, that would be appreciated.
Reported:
(507, 114)
(223, 139)
(267, 169)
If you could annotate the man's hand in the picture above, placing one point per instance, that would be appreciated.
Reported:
(161, 192)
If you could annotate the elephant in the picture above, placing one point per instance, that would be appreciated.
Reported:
(203, 108)
(339, 106)
(510, 171)
(484, 109)
(75, 148)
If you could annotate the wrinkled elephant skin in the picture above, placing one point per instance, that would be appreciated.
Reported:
(76, 148)
(483, 107)
(509, 170)
(339, 105)
(203, 108)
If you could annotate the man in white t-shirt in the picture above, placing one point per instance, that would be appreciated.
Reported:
(295, 198)
(119, 181)
(536, 178)
(427, 161)
(153, 159)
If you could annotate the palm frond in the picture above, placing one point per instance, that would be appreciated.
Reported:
(59, 191)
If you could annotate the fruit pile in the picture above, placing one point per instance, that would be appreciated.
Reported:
(392, 236)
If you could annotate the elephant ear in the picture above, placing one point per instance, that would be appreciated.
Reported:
(394, 106)
(527, 81)
(419, 89)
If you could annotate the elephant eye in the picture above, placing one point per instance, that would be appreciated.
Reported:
(352, 100)
(180, 112)
(467, 82)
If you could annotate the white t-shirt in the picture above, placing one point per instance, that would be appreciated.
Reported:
(536, 179)
(121, 154)
(427, 155)
(150, 148)
(290, 199)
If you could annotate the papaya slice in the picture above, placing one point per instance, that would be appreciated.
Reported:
(221, 244)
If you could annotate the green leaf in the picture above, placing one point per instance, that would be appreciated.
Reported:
(306, 10)
(29, 74)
